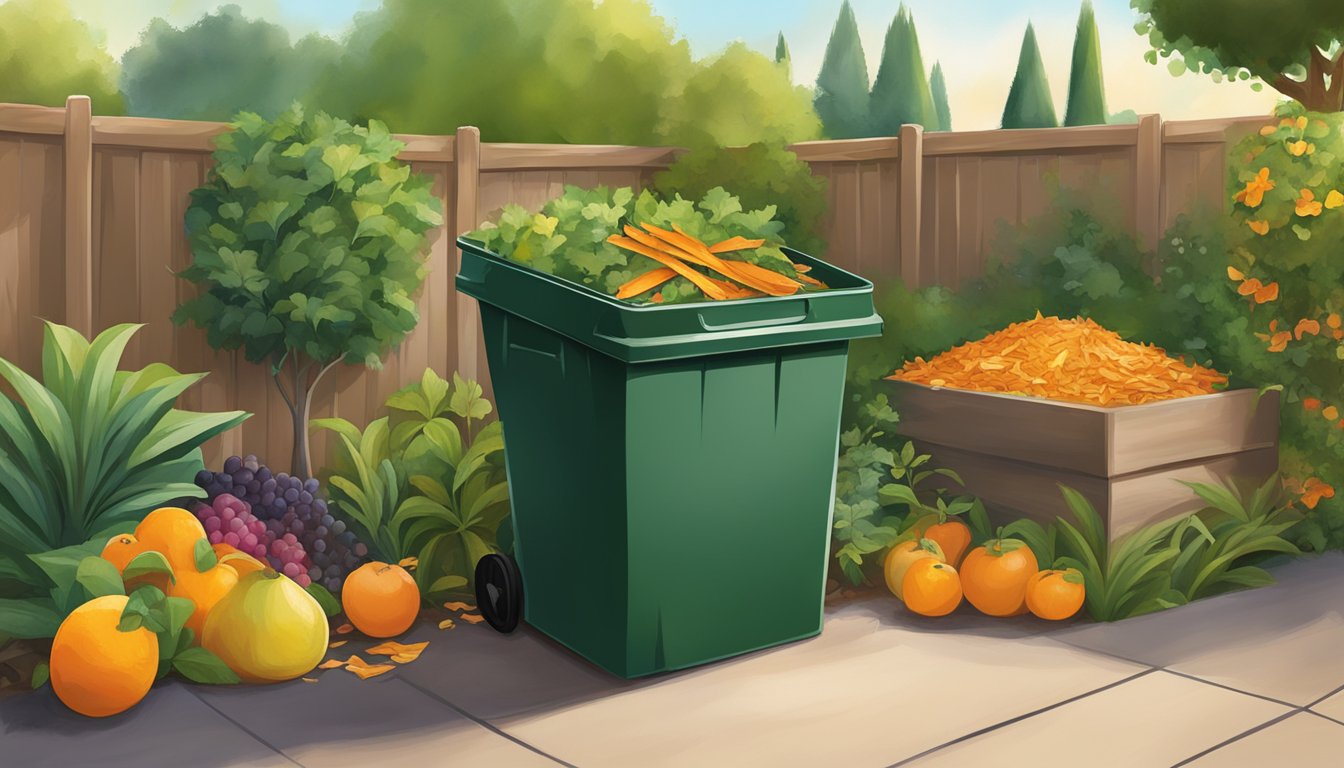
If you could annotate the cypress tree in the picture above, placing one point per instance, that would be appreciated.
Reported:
(901, 91)
(940, 106)
(782, 57)
(842, 84)
(1029, 103)
(1087, 93)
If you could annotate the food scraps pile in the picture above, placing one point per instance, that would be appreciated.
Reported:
(650, 251)
(1073, 360)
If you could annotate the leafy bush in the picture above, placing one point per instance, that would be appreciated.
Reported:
(878, 488)
(760, 175)
(307, 241)
(90, 449)
(413, 484)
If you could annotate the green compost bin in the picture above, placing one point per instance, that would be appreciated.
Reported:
(671, 468)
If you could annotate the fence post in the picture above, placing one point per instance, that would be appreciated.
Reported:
(78, 158)
(1148, 182)
(912, 201)
(467, 166)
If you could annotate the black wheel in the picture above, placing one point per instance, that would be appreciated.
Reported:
(499, 592)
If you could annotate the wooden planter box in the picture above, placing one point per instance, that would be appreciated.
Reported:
(1014, 451)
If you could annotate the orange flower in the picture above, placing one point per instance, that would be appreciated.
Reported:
(1249, 286)
(1314, 490)
(1255, 190)
(1333, 199)
(1305, 326)
(1267, 293)
(1280, 341)
(1333, 320)
(1307, 204)
(1269, 130)
(1258, 227)
(1235, 274)
(1330, 413)
(1311, 403)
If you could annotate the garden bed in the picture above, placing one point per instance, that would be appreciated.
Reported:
(1013, 452)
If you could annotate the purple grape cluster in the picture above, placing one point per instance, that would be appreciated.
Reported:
(291, 509)
(229, 520)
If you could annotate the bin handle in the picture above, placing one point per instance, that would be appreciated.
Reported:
(799, 314)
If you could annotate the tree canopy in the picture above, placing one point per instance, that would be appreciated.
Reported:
(901, 91)
(1029, 102)
(1292, 45)
(46, 55)
(842, 84)
(563, 71)
(1087, 91)
(220, 65)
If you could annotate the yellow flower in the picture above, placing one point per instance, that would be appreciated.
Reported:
(1302, 123)
(1334, 199)
(1258, 227)
(1330, 413)
(1235, 274)
(1297, 148)
(1255, 190)
(1268, 130)
(1307, 204)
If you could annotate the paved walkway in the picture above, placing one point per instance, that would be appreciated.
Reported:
(1248, 679)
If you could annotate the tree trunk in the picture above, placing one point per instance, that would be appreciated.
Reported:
(298, 464)
(1314, 92)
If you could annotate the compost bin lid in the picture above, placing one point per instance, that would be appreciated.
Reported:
(648, 333)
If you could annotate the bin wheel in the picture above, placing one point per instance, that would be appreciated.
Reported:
(499, 591)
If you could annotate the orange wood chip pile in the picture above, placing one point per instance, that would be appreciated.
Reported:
(1073, 360)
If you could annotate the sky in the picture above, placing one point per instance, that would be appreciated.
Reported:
(977, 42)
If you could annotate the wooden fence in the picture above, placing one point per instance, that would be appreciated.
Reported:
(91, 230)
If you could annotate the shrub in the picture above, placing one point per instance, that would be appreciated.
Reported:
(90, 449)
(761, 175)
(307, 242)
(414, 484)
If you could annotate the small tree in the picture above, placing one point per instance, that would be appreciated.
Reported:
(782, 51)
(940, 106)
(1293, 45)
(1087, 91)
(307, 243)
(901, 91)
(842, 84)
(46, 54)
(1029, 102)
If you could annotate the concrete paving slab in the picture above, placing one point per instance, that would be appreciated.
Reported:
(1281, 641)
(169, 727)
(1158, 719)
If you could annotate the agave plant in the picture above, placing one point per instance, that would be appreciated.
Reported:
(415, 485)
(91, 449)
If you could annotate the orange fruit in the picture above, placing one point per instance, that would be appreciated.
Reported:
(995, 576)
(931, 587)
(1056, 594)
(952, 535)
(239, 560)
(96, 669)
(902, 556)
(205, 589)
(121, 549)
(381, 600)
(172, 531)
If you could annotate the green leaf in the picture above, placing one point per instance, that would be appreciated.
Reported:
(146, 563)
(205, 556)
(330, 605)
(99, 577)
(29, 618)
(445, 583)
(201, 666)
(41, 674)
(898, 493)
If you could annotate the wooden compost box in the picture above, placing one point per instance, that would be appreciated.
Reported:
(1014, 451)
